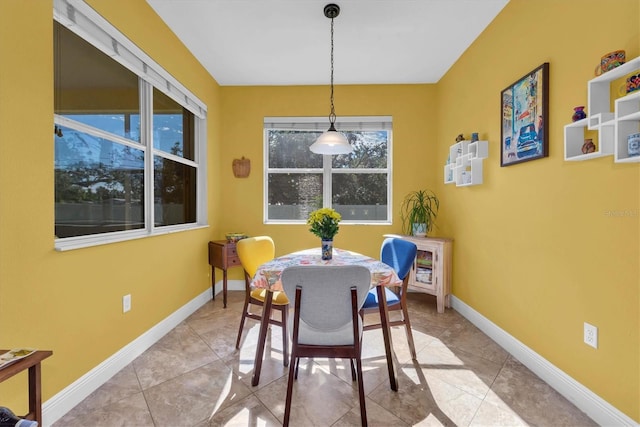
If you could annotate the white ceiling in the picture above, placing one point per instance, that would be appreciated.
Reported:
(287, 42)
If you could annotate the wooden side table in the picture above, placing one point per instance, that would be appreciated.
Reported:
(431, 272)
(32, 363)
(222, 255)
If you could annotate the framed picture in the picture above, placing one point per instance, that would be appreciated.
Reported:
(524, 106)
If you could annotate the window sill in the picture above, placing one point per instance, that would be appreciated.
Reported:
(71, 243)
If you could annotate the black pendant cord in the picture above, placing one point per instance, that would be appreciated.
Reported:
(331, 11)
(332, 115)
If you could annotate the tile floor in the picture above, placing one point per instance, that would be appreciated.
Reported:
(194, 376)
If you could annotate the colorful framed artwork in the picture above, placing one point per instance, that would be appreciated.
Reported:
(524, 107)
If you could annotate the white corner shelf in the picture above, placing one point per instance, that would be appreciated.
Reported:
(612, 128)
(465, 163)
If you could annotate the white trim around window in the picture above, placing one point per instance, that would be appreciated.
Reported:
(80, 18)
(378, 212)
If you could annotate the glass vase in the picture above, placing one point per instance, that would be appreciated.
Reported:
(327, 249)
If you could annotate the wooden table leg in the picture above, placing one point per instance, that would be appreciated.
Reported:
(224, 285)
(224, 288)
(386, 333)
(266, 315)
(35, 393)
(213, 283)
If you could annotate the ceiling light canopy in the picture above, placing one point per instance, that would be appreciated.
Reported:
(332, 141)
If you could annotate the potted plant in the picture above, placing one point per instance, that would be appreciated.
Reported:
(418, 212)
(324, 224)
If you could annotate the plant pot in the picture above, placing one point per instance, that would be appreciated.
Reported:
(419, 229)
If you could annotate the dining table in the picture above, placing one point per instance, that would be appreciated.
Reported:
(268, 277)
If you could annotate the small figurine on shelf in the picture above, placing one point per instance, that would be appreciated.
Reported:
(588, 146)
(460, 138)
(578, 113)
(633, 141)
(474, 136)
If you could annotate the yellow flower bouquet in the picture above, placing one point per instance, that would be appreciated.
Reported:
(324, 223)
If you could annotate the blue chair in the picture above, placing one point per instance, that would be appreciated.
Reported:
(400, 255)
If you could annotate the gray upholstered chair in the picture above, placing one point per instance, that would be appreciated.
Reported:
(326, 322)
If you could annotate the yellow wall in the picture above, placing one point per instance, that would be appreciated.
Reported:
(71, 302)
(535, 250)
(413, 109)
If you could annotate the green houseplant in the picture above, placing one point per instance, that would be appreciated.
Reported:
(418, 211)
(324, 224)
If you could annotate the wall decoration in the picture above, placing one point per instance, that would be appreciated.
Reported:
(241, 167)
(524, 106)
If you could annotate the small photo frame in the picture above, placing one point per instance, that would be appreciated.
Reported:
(524, 106)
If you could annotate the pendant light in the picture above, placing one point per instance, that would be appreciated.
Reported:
(332, 141)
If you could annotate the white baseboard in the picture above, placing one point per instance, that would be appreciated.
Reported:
(587, 401)
(61, 403)
(232, 285)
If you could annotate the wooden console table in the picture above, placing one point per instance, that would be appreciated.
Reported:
(222, 255)
(32, 363)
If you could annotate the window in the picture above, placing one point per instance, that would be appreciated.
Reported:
(297, 181)
(128, 138)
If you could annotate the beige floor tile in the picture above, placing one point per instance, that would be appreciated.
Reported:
(518, 390)
(130, 411)
(377, 416)
(122, 385)
(318, 398)
(194, 376)
(180, 351)
(466, 371)
(250, 411)
(193, 397)
(465, 336)
(419, 401)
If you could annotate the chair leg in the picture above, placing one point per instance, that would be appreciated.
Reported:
(242, 320)
(264, 324)
(363, 407)
(353, 370)
(285, 337)
(297, 363)
(407, 325)
(293, 372)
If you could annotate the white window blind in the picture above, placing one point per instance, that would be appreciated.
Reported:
(88, 24)
(322, 123)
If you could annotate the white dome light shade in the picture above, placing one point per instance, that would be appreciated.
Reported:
(331, 142)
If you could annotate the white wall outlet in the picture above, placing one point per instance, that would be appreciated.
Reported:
(590, 335)
(126, 303)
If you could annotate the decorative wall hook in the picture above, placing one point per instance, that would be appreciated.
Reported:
(241, 167)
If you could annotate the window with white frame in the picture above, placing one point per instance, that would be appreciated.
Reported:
(129, 139)
(297, 181)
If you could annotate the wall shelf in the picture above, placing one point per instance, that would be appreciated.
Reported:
(465, 163)
(612, 128)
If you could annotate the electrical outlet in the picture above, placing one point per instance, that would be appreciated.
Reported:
(126, 303)
(590, 335)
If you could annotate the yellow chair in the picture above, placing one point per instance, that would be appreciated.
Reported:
(253, 252)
